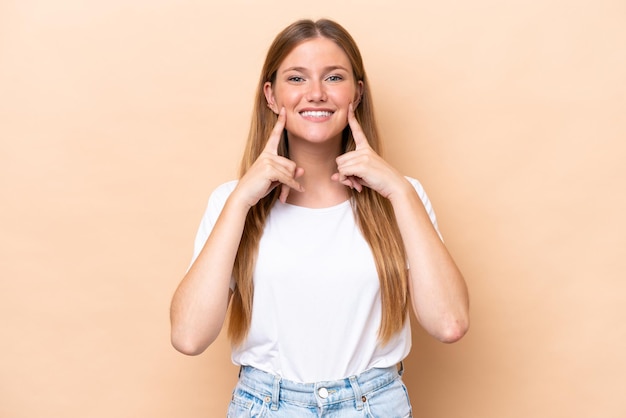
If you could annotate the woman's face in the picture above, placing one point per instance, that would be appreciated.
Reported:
(315, 85)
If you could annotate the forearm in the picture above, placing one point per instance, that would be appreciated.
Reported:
(201, 300)
(438, 291)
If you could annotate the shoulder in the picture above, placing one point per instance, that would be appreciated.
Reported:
(417, 186)
(220, 193)
(419, 189)
(225, 189)
(415, 182)
(217, 200)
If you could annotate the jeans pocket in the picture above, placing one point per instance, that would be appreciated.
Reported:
(245, 405)
(390, 401)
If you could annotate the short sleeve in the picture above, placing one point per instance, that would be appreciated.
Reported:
(216, 203)
(426, 202)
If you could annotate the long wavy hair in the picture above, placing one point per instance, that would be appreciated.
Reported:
(373, 213)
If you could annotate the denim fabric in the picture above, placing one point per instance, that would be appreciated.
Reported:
(376, 393)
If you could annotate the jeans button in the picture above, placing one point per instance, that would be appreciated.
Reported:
(323, 392)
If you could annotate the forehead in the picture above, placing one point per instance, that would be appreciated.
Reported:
(316, 53)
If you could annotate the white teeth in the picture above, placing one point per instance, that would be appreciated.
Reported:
(316, 113)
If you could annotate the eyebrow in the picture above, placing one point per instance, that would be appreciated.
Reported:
(326, 69)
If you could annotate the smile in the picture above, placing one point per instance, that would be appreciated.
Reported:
(316, 113)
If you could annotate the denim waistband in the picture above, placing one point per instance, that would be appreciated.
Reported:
(273, 388)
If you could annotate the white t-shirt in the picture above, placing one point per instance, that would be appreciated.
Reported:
(316, 308)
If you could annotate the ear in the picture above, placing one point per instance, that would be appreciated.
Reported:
(358, 94)
(269, 96)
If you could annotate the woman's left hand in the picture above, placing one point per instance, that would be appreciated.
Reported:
(364, 167)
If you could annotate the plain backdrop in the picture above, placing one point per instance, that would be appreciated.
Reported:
(118, 118)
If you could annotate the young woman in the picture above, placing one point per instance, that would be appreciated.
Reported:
(320, 248)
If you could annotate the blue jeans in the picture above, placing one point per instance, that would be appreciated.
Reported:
(375, 393)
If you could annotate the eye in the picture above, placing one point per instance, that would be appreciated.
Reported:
(334, 78)
(295, 79)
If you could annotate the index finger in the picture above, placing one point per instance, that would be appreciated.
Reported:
(274, 140)
(360, 140)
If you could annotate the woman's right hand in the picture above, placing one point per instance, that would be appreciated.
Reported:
(270, 170)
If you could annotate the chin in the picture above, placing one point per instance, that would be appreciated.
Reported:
(317, 138)
(316, 135)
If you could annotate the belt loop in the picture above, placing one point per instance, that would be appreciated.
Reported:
(358, 396)
(401, 369)
(275, 393)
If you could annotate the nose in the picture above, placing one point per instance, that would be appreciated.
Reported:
(316, 92)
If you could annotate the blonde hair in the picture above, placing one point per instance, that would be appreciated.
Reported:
(373, 213)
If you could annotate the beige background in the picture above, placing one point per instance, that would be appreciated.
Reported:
(118, 118)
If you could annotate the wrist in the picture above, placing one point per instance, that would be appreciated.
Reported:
(402, 191)
(238, 203)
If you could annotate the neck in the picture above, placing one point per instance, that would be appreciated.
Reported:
(318, 162)
(317, 159)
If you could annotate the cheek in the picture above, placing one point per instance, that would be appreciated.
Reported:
(344, 97)
(286, 97)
